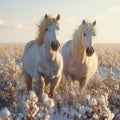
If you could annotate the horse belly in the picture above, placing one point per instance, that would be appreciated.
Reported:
(29, 66)
(78, 71)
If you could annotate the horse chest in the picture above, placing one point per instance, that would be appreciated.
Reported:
(78, 71)
(53, 67)
(48, 68)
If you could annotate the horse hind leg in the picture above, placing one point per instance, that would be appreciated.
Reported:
(28, 80)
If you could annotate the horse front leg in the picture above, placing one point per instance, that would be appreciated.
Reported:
(70, 83)
(82, 83)
(40, 88)
(53, 84)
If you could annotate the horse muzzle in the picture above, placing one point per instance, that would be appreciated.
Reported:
(89, 51)
(55, 45)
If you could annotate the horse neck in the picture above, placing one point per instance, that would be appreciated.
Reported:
(50, 54)
(78, 53)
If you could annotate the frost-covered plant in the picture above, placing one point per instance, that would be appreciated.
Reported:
(9, 71)
(101, 99)
(7, 92)
(46, 108)
(31, 105)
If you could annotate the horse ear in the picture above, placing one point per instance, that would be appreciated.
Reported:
(58, 17)
(83, 22)
(94, 23)
(46, 16)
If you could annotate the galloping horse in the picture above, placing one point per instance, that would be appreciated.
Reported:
(41, 59)
(79, 57)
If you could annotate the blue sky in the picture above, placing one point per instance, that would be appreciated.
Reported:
(18, 18)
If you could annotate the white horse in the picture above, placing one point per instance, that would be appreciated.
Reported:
(79, 58)
(41, 59)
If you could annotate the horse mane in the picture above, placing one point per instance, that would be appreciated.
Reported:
(78, 50)
(42, 26)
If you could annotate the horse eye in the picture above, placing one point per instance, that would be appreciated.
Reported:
(46, 29)
(84, 34)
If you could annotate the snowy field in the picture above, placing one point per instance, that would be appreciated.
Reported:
(100, 100)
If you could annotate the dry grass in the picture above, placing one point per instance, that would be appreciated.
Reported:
(109, 54)
(10, 51)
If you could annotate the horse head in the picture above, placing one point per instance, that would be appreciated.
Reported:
(87, 36)
(49, 31)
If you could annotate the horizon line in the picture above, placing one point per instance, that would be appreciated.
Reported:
(61, 42)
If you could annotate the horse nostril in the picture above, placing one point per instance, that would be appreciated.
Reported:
(52, 44)
(87, 50)
(55, 44)
(90, 50)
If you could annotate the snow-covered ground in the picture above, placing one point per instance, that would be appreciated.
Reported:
(103, 72)
(16, 104)
(100, 101)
